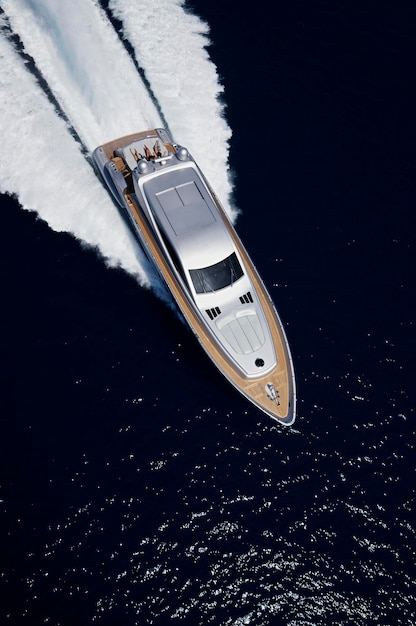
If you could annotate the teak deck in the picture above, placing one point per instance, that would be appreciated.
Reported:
(253, 389)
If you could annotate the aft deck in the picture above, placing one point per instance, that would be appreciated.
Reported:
(133, 148)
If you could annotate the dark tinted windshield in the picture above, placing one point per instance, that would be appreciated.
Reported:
(218, 276)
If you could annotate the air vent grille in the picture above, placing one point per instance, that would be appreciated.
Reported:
(246, 298)
(214, 312)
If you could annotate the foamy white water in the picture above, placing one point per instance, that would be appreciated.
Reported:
(98, 87)
(89, 71)
(184, 80)
(43, 166)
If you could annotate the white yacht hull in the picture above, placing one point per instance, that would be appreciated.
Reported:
(183, 228)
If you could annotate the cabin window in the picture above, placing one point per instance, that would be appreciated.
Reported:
(218, 276)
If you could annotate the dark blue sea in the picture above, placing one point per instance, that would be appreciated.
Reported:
(137, 486)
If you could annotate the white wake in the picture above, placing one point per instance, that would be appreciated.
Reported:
(183, 79)
(102, 95)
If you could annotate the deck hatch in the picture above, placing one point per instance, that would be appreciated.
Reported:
(242, 330)
(185, 208)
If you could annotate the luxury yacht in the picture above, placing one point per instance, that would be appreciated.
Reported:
(189, 238)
